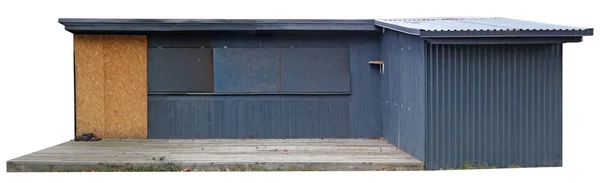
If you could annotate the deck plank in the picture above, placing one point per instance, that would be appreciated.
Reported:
(324, 154)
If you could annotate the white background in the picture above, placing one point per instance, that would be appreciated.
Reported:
(36, 79)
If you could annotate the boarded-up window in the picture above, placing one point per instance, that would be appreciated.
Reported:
(315, 70)
(247, 70)
(180, 70)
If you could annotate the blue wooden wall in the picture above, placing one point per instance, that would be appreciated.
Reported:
(403, 92)
(251, 116)
(354, 114)
(494, 104)
(180, 69)
(315, 70)
(444, 104)
(247, 70)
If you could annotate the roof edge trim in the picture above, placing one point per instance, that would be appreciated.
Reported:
(504, 40)
(164, 25)
(406, 30)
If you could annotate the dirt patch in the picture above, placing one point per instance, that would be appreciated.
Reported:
(87, 137)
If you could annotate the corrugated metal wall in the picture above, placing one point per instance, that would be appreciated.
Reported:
(403, 92)
(494, 104)
(253, 116)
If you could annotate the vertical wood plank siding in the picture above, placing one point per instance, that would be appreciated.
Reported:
(494, 104)
(444, 104)
(403, 92)
(249, 117)
(356, 115)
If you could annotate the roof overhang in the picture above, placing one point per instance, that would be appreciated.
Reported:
(507, 40)
(480, 27)
(82, 25)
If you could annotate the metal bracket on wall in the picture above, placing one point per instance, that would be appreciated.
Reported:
(381, 65)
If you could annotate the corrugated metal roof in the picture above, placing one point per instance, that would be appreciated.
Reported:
(479, 27)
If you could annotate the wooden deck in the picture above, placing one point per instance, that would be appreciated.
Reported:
(210, 154)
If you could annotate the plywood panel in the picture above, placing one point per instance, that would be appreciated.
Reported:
(89, 83)
(125, 86)
(110, 74)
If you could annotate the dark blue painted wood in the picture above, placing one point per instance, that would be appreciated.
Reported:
(249, 70)
(498, 104)
(179, 40)
(328, 39)
(180, 70)
(356, 115)
(321, 40)
(315, 70)
(234, 40)
(365, 105)
(403, 92)
(248, 117)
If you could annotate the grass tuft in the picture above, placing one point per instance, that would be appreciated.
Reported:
(469, 165)
(478, 165)
(169, 167)
(394, 168)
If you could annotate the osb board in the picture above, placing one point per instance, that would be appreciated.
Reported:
(89, 83)
(126, 108)
(111, 98)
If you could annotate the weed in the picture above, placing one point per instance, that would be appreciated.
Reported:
(514, 166)
(394, 168)
(475, 165)
(169, 167)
